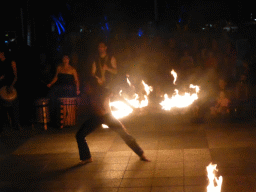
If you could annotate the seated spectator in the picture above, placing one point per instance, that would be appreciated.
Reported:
(222, 105)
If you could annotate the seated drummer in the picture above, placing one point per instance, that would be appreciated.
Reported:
(65, 81)
(65, 84)
(8, 78)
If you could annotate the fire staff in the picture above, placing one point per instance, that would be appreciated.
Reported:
(101, 114)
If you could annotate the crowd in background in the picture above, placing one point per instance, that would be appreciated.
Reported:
(225, 76)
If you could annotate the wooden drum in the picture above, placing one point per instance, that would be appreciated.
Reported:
(67, 112)
(42, 114)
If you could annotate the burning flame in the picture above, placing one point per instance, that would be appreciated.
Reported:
(104, 126)
(174, 75)
(214, 182)
(122, 109)
(177, 100)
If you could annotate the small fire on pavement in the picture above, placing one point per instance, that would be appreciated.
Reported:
(214, 182)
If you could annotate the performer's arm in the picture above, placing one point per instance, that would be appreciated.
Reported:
(76, 82)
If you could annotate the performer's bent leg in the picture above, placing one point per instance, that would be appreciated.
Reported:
(87, 127)
(118, 127)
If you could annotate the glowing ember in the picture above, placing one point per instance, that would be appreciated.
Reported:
(214, 182)
(174, 75)
(179, 101)
(104, 126)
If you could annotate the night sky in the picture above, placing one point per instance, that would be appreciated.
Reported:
(130, 10)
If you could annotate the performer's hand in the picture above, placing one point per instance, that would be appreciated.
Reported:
(49, 85)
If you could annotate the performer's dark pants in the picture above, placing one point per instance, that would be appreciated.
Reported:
(91, 124)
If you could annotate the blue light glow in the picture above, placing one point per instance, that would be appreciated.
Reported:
(140, 33)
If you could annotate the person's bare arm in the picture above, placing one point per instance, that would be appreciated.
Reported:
(55, 77)
(93, 69)
(76, 81)
(14, 68)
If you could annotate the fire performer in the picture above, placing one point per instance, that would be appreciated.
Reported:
(101, 114)
(104, 66)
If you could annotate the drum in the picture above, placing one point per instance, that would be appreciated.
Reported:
(6, 97)
(67, 111)
(42, 114)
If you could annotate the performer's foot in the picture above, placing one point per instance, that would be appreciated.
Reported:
(143, 158)
(82, 162)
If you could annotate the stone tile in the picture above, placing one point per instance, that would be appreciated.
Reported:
(167, 181)
(118, 153)
(119, 147)
(171, 143)
(137, 189)
(196, 180)
(169, 173)
(169, 165)
(141, 165)
(112, 167)
(231, 139)
(109, 183)
(195, 189)
(197, 155)
(105, 189)
(169, 189)
(139, 174)
(170, 156)
(108, 175)
(116, 160)
(138, 182)
(192, 142)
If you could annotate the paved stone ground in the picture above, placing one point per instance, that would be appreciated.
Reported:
(37, 160)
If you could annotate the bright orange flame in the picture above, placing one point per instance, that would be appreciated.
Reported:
(179, 101)
(123, 110)
(104, 126)
(214, 182)
(175, 76)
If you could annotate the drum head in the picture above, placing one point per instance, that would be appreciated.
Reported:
(8, 96)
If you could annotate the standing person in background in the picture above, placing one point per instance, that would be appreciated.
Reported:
(8, 78)
(104, 66)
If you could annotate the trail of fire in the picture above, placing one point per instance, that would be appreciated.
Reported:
(124, 108)
(214, 182)
(177, 100)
